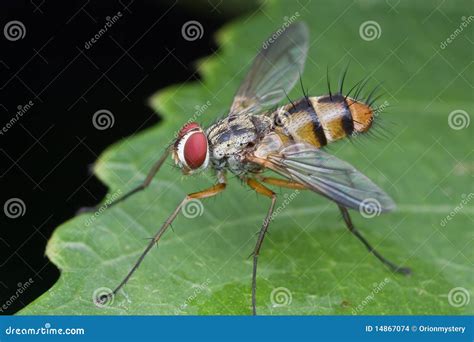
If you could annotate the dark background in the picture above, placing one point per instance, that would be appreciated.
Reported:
(45, 155)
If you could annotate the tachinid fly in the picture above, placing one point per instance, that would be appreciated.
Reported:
(287, 140)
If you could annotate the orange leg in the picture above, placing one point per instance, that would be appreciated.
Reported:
(260, 188)
(282, 183)
(263, 190)
(212, 191)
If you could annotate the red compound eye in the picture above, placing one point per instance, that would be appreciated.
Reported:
(195, 150)
(186, 128)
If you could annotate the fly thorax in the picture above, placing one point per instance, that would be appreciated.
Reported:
(230, 136)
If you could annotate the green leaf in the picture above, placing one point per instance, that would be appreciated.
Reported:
(309, 260)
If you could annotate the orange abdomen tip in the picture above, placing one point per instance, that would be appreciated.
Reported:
(362, 115)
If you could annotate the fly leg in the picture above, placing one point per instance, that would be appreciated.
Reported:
(282, 183)
(156, 167)
(353, 230)
(212, 191)
(261, 189)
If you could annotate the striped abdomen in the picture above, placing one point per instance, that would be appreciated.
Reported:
(321, 120)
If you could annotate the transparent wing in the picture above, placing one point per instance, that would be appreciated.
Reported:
(274, 71)
(330, 177)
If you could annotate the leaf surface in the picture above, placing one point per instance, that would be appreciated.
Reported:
(310, 263)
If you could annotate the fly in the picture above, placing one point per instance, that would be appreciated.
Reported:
(287, 140)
